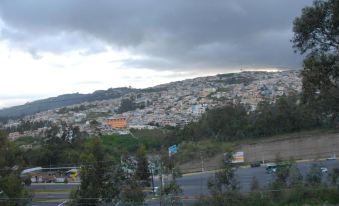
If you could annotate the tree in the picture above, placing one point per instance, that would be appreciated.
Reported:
(314, 176)
(11, 185)
(317, 29)
(335, 177)
(255, 184)
(223, 180)
(127, 105)
(104, 180)
(132, 194)
(280, 181)
(316, 34)
(62, 144)
(142, 173)
(282, 173)
(92, 174)
(296, 178)
(171, 192)
(227, 122)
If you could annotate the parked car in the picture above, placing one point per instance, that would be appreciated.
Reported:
(255, 164)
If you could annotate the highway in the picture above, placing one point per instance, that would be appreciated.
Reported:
(193, 185)
(196, 184)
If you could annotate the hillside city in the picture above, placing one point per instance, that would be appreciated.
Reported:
(172, 104)
(135, 103)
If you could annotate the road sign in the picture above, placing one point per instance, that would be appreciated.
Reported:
(172, 150)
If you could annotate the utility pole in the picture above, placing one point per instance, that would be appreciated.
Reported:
(202, 162)
(202, 170)
(172, 167)
(161, 189)
(152, 180)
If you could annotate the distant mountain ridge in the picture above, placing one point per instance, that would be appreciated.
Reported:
(62, 101)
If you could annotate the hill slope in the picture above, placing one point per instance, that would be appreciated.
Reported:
(63, 100)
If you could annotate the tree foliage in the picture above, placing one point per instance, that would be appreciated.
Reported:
(317, 29)
(104, 181)
(316, 34)
(62, 145)
(232, 122)
(287, 188)
(11, 184)
(314, 175)
(223, 180)
(142, 172)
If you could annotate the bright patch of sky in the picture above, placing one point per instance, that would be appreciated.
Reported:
(25, 78)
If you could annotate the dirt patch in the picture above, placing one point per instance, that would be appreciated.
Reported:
(303, 145)
(311, 145)
(198, 166)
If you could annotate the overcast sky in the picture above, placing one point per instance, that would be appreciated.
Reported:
(54, 47)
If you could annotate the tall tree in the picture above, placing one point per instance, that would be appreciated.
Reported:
(224, 180)
(104, 181)
(92, 174)
(316, 35)
(314, 176)
(11, 186)
(295, 178)
(142, 173)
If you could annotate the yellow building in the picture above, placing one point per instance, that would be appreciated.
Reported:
(117, 123)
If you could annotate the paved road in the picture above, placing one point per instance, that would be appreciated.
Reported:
(196, 184)
(51, 194)
(51, 203)
(193, 185)
(54, 186)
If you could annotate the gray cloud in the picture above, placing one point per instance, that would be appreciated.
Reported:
(176, 34)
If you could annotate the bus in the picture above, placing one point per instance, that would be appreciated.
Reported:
(51, 175)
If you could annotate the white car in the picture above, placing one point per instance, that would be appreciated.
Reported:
(324, 170)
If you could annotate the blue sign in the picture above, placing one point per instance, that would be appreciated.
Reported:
(172, 149)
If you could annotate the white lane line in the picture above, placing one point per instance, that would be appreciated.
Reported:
(63, 203)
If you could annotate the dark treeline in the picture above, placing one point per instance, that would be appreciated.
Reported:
(80, 108)
(62, 145)
(105, 178)
(129, 104)
(234, 121)
(11, 163)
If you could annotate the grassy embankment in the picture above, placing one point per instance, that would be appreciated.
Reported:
(191, 154)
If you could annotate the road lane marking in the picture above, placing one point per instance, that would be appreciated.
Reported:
(63, 203)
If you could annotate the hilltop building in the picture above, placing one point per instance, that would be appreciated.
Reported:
(117, 122)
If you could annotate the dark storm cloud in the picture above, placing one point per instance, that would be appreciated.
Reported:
(175, 34)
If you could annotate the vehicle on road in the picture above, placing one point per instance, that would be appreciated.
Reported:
(324, 169)
(271, 168)
(51, 175)
(255, 164)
